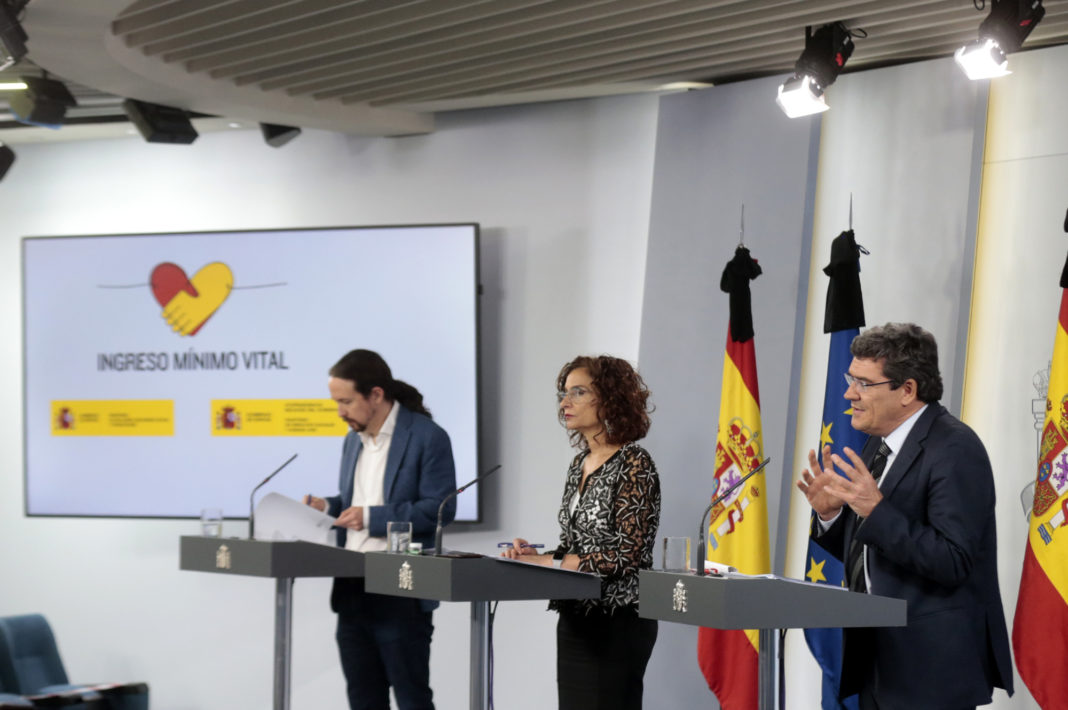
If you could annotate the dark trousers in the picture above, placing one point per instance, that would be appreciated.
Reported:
(383, 641)
(601, 659)
(867, 700)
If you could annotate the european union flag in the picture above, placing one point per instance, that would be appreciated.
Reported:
(844, 316)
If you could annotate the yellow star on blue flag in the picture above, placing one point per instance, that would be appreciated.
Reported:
(815, 571)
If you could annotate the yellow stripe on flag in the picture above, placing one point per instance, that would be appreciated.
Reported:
(1047, 538)
(738, 531)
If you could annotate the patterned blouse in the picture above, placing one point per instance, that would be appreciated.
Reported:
(613, 526)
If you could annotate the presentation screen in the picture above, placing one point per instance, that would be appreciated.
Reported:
(168, 373)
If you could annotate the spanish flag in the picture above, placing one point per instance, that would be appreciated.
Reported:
(1040, 627)
(738, 531)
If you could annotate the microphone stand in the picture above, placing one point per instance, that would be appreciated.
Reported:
(251, 512)
(703, 534)
(441, 508)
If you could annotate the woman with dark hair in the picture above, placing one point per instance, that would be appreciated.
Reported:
(608, 519)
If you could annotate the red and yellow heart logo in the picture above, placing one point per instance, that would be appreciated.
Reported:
(188, 303)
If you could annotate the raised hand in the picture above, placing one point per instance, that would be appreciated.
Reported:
(858, 489)
(816, 483)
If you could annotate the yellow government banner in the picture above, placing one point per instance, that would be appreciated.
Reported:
(113, 417)
(275, 417)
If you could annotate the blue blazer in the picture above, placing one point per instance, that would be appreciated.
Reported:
(932, 541)
(420, 473)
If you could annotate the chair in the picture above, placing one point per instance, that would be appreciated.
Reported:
(30, 666)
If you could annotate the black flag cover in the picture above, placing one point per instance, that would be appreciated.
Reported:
(737, 274)
(845, 304)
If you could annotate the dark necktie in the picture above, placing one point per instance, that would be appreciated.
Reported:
(855, 565)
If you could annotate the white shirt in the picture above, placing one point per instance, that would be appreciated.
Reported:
(894, 440)
(368, 483)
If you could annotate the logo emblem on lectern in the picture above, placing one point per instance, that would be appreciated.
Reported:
(222, 557)
(678, 597)
(404, 577)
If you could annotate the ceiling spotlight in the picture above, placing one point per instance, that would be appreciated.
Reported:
(277, 135)
(44, 102)
(1002, 32)
(826, 52)
(12, 37)
(160, 124)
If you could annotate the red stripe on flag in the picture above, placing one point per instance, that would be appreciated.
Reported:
(730, 666)
(1040, 632)
(743, 355)
(1064, 310)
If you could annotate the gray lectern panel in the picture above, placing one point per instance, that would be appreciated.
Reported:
(760, 603)
(470, 579)
(261, 558)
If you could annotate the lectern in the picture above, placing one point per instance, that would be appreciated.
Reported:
(479, 580)
(766, 603)
(285, 561)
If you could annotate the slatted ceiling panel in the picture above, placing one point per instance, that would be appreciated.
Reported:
(531, 43)
(366, 41)
(318, 62)
(142, 14)
(419, 51)
(232, 18)
(406, 38)
(432, 54)
(367, 51)
(306, 35)
(289, 19)
(560, 45)
(337, 29)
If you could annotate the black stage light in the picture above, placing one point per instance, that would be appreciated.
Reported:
(277, 135)
(160, 124)
(826, 52)
(1002, 32)
(7, 157)
(44, 102)
(12, 37)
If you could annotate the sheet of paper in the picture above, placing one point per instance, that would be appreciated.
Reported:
(279, 517)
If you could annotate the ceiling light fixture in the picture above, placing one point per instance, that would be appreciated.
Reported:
(160, 124)
(277, 135)
(826, 52)
(12, 36)
(1002, 32)
(44, 102)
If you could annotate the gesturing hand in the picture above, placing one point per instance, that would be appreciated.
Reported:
(815, 484)
(858, 489)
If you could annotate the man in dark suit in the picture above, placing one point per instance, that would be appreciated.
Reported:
(913, 515)
(396, 465)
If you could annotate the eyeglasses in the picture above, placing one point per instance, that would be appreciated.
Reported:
(574, 394)
(861, 385)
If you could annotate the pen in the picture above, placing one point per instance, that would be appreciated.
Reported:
(535, 545)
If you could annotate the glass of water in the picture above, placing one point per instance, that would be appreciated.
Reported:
(399, 535)
(676, 554)
(211, 522)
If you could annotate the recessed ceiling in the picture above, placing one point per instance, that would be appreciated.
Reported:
(385, 67)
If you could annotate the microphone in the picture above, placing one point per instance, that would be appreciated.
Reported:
(251, 512)
(703, 535)
(441, 508)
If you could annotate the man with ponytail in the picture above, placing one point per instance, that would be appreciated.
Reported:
(396, 465)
